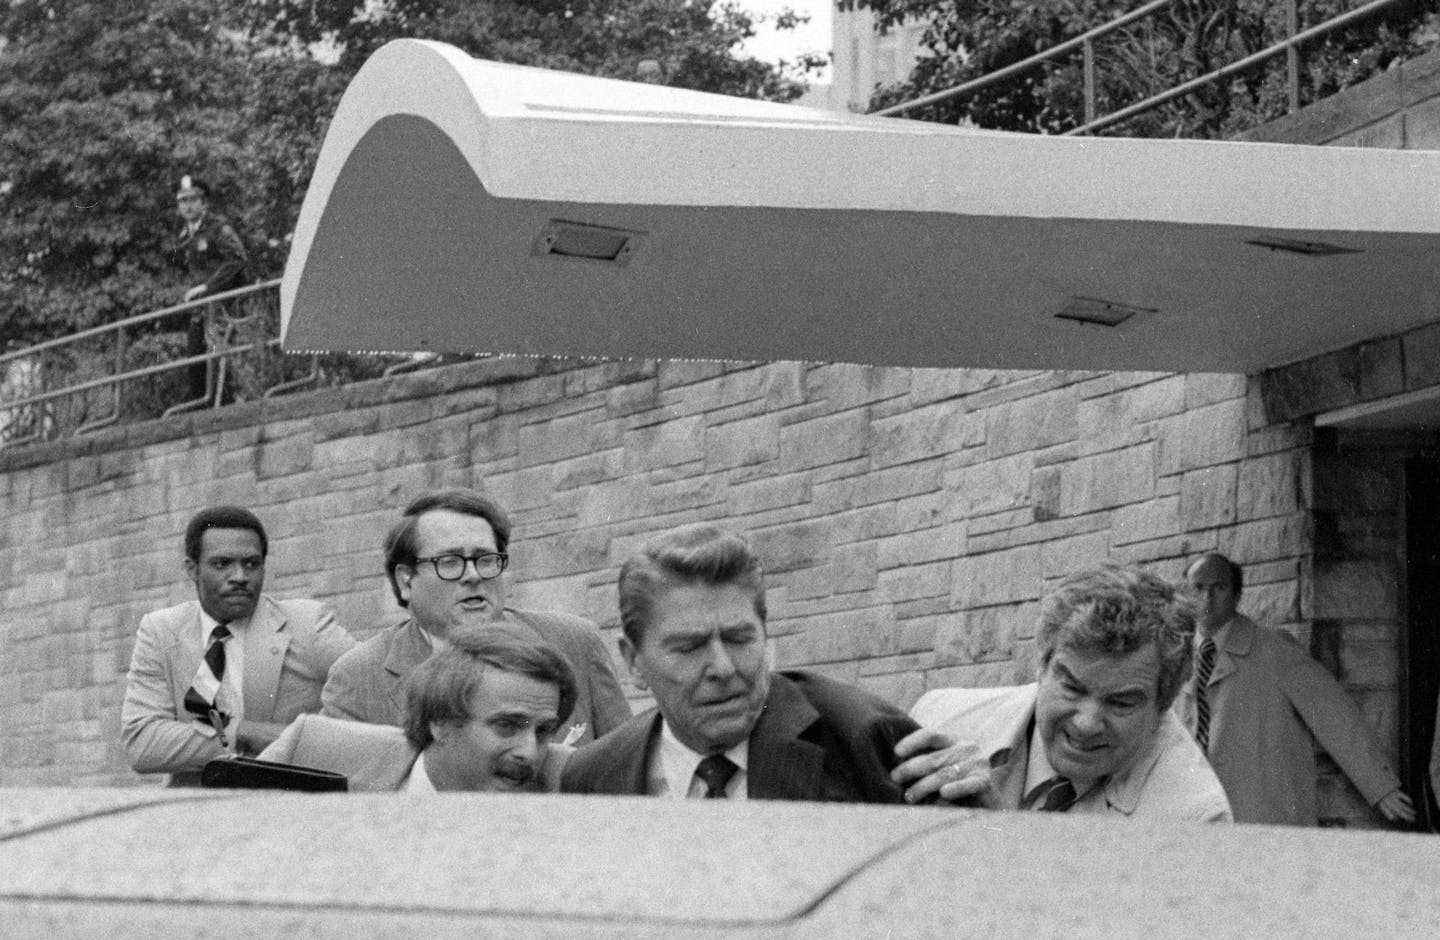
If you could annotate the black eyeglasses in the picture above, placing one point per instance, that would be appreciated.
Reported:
(451, 566)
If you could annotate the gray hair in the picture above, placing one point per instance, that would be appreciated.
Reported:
(700, 554)
(1116, 610)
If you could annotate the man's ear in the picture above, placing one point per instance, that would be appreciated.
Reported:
(404, 574)
(631, 654)
(192, 568)
(441, 731)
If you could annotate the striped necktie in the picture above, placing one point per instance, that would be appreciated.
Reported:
(716, 770)
(1202, 697)
(200, 697)
(1059, 796)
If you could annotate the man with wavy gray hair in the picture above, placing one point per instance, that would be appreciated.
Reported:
(692, 605)
(1095, 733)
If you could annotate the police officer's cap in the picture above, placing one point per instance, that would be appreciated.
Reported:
(190, 186)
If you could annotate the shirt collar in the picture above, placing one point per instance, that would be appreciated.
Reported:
(678, 762)
(437, 643)
(1038, 769)
(1219, 636)
(418, 781)
(209, 623)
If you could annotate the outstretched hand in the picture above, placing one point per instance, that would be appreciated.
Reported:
(933, 764)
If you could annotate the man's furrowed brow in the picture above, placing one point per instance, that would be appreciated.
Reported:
(1066, 675)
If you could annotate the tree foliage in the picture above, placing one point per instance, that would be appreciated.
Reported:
(966, 39)
(105, 104)
(683, 43)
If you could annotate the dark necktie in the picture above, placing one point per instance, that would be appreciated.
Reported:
(1059, 798)
(716, 770)
(200, 697)
(1202, 697)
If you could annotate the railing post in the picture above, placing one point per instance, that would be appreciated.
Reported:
(1292, 55)
(1089, 49)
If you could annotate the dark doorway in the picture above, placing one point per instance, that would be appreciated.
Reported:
(1422, 682)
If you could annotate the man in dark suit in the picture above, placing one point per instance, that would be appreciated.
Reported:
(206, 245)
(692, 605)
(444, 559)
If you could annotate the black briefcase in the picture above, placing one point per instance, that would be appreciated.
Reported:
(247, 773)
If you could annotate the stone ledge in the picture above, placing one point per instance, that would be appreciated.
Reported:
(322, 402)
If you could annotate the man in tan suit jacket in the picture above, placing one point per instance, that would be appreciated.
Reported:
(278, 654)
(1095, 734)
(1269, 703)
(479, 715)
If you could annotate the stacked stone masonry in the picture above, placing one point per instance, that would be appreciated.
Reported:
(910, 519)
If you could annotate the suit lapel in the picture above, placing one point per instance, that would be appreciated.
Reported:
(782, 765)
(266, 640)
(628, 771)
(409, 650)
(1238, 642)
(188, 651)
(1010, 751)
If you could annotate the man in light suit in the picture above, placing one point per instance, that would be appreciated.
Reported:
(1268, 704)
(1095, 734)
(479, 716)
(692, 606)
(444, 561)
(276, 656)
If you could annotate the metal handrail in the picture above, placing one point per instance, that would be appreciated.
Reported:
(139, 319)
(1289, 46)
(44, 419)
(1014, 68)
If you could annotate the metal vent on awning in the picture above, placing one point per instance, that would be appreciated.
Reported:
(582, 241)
(1095, 312)
(1298, 247)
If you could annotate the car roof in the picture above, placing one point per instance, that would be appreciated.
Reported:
(118, 863)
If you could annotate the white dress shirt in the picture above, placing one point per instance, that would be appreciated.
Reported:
(418, 781)
(231, 697)
(673, 762)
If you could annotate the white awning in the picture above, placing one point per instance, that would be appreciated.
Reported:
(464, 205)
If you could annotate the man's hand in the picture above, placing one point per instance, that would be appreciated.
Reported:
(935, 764)
(197, 291)
(1394, 806)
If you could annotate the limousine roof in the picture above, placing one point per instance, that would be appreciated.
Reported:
(130, 863)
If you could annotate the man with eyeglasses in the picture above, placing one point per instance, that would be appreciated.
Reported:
(444, 560)
(227, 672)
